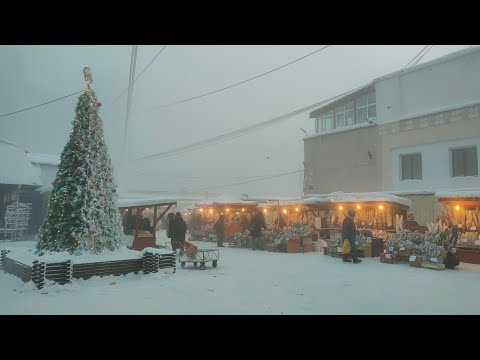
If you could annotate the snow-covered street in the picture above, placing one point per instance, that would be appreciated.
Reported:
(257, 282)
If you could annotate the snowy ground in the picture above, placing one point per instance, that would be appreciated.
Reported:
(257, 282)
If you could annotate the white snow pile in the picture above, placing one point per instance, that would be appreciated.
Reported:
(24, 252)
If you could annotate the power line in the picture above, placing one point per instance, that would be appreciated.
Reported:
(236, 84)
(420, 58)
(45, 103)
(248, 182)
(414, 57)
(133, 63)
(150, 63)
(240, 132)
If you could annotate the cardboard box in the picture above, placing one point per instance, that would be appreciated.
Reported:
(388, 258)
(404, 252)
(415, 261)
(367, 252)
(293, 247)
(271, 247)
(308, 248)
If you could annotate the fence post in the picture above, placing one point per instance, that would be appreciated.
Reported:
(2, 257)
(38, 274)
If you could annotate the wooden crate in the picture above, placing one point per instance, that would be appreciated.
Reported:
(468, 255)
(415, 261)
(434, 266)
(388, 258)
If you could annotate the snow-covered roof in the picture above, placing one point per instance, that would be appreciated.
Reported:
(442, 59)
(130, 201)
(341, 129)
(458, 194)
(47, 159)
(15, 168)
(44, 189)
(410, 192)
(341, 197)
(225, 200)
(226, 203)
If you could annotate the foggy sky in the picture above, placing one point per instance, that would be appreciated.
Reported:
(30, 75)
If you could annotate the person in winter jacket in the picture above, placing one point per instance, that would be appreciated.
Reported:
(349, 232)
(219, 228)
(256, 225)
(179, 231)
(169, 229)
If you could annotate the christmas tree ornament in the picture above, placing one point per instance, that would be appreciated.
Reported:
(87, 73)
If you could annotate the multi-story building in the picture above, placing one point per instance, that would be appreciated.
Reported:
(412, 132)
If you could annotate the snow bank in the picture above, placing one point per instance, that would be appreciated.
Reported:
(24, 252)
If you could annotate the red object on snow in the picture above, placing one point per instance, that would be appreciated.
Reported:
(294, 240)
(189, 246)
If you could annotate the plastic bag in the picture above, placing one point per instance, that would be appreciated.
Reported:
(346, 248)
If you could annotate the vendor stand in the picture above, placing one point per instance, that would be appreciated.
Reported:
(462, 208)
(382, 214)
(288, 225)
(237, 217)
(140, 217)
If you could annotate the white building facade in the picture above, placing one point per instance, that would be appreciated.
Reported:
(412, 130)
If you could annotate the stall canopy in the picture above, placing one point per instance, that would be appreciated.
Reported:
(341, 197)
(459, 194)
(128, 201)
(142, 237)
(226, 202)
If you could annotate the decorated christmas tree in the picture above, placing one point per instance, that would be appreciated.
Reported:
(82, 212)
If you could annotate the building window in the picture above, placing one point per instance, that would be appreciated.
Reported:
(464, 162)
(411, 166)
(340, 117)
(329, 121)
(349, 113)
(366, 108)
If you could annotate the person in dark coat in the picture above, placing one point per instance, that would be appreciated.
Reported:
(282, 221)
(349, 232)
(219, 228)
(170, 230)
(179, 231)
(256, 225)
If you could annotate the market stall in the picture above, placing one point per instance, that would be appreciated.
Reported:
(287, 225)
(462, 208)
(140, 217)
(378, 217)
(206, 213)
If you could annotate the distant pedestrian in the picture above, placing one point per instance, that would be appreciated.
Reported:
(179, 231)
(219, 228)
(256, 225)
(169, 228)
(349, 232)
